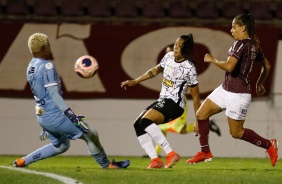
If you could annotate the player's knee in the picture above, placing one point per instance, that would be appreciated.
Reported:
(138, 129)
(236, 135)
(144, 123)
(63, 147)
(200, 115)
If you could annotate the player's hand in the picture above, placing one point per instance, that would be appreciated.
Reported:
(260, 90)
(128, 83)
(196, 128)
(43, 135)
(208, 58)
(77, 120)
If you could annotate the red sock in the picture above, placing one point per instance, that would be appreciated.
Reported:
(252, 137)
(204, 129)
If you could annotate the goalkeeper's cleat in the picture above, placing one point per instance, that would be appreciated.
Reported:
(273, 151)
(214, 128)
(156, 163)
(200, 157)
(19, 163)
(119, 165)
(171, 159)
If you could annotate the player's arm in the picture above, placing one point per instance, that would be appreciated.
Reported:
(60, 103)
(263, 75)
(148, 75)
(227, 66)
(195, 93)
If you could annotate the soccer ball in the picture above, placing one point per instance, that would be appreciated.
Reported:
(86, 66)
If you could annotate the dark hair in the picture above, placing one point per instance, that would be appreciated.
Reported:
(188, 46)
(248, 21)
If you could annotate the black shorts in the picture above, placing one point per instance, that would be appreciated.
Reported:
(168, 108)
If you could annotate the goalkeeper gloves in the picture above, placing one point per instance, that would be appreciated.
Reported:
(77, 120)
(43, 135)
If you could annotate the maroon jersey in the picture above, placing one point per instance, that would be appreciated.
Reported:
(238, 80)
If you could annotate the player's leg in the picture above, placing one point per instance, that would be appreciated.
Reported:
(147, 144)
(160, 113)
(97, 151)
(207, 109)
(44, 152)
(238, 132)
(157, 147)
(177, 125)
(239, 103)
(58, 136)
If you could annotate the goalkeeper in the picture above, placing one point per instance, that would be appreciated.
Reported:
(60, 124)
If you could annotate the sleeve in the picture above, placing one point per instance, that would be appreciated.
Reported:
(236, 49)
(53, 92)
(192, 77)
(164, 59)
(50, 75)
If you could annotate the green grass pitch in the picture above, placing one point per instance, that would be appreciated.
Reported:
(85, 170)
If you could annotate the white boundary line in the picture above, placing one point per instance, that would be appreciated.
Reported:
(63, 179)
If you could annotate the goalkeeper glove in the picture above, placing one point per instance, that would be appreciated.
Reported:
(43, 135)
(77, 120)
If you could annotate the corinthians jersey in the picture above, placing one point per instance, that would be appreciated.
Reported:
(176, 78)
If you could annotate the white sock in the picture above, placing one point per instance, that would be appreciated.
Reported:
(147, 144)
(155, 132)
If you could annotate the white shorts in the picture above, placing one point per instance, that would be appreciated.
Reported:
(234, 104)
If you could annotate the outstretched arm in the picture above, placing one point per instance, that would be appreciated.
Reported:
(60, 103)
(227, 66)
(149, 74)
(263, 75)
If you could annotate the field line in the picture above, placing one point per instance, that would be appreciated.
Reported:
(63, 179)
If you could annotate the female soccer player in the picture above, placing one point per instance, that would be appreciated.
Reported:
(57, 120)
(180, 125)
(234, 94)
(179, 73)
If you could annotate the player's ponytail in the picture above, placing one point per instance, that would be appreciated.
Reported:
(248, 21)
(187, 47)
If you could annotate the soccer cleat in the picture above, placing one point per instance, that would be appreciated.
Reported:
(214, 128)
(19, 163)
(171, 159)
(200, 157)
(119, 165)
(156, 163)
(273, 151)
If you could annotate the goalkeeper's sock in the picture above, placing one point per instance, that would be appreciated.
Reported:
(44, 152)
(101, 158)
(255, 139)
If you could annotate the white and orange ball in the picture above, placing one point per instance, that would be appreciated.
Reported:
(86, 66)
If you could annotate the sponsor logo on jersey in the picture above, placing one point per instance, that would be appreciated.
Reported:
(167, 82)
